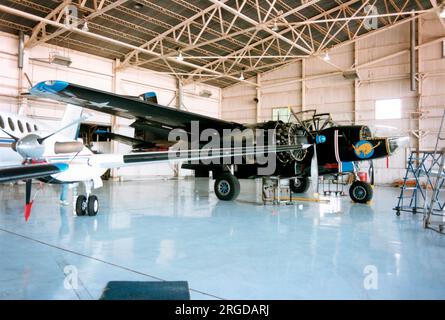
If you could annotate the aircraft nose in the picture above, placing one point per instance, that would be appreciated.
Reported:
(396, 143)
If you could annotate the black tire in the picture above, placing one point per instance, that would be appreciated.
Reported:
(93, 205)
(360, 192)
(226, 187)
(299, 185)
(81, 206)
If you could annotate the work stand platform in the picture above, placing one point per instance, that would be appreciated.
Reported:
(276, 190)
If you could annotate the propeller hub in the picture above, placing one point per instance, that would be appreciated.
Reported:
(29, 147)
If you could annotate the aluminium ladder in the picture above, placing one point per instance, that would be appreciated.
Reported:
(425, 171)
(434, 213)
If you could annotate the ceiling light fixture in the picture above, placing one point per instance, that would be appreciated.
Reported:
(138, 6)
(60, 60)
(241, 77)
(442, 13)
(326, 57)
(180, 57)
(85, 27)
(275, 27)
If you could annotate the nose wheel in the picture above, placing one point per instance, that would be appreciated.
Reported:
(87, 206)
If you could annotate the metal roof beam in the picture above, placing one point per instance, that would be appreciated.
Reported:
(40, 27)
(437, 8)
(100, 10)
(109, 40)
(158, 38)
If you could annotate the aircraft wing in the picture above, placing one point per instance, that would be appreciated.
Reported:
(150, 113)
(32, 171)
(122, 160)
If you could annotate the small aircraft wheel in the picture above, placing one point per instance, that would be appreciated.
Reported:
(81, 205)
(398, 213)
(227, 187)
(93, 205)
(299, 185)
(360, 192)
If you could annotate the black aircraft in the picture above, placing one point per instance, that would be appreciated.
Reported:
(333, 149)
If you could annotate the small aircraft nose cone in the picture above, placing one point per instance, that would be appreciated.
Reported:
(29, 147)
(398, 143)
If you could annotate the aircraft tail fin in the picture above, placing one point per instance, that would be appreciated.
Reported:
(149, 97)
(71, 114)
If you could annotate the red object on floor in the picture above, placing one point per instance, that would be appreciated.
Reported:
(363, 176)
(28, 207)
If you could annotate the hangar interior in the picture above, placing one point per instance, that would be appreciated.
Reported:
(378, 63)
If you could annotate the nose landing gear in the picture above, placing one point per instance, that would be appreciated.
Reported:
(87, 205)
(360, 192)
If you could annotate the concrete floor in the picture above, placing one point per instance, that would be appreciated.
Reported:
(177, 230)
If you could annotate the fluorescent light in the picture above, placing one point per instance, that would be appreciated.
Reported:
(85, 27)
(241, 77)
(60, 60)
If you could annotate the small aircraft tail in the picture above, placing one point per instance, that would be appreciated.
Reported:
(72, 113)
(149, 97)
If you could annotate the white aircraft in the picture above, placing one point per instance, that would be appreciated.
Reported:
(28, 151)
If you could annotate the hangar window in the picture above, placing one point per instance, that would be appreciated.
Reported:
(388, 109)
(2, 124)
(28, 127)
(11, 124)
(280, 114)
(20, 125)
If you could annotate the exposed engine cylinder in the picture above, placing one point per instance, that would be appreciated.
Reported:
(68, 147)
(287, 134)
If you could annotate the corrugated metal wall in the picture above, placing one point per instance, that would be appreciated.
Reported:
(332, 93)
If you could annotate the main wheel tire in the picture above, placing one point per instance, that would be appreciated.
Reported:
(93, 205)
(299, 185)
(226, 187)
(81, 205)
(360, 192)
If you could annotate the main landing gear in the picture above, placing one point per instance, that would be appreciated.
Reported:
(226, 186)
(87, 205)
(360, 192)
(299, 185)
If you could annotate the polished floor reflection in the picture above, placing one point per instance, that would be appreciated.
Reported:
(178, 230)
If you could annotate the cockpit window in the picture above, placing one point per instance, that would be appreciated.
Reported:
(365, 133)
(2, 124)
(36, 128)
(28, 127)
